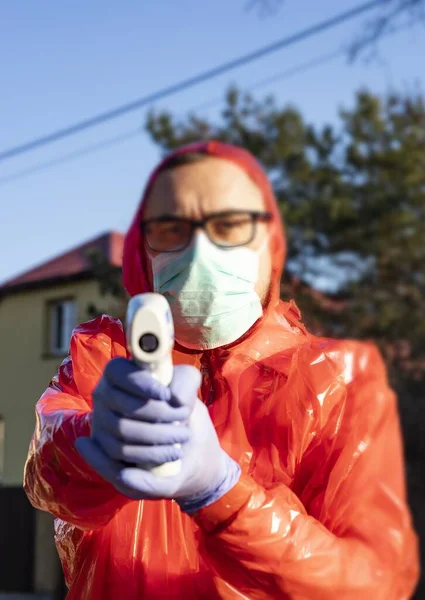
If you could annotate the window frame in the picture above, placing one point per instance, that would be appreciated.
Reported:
(51, 349)
(2, 448)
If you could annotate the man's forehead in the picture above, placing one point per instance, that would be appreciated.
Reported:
(210, 185)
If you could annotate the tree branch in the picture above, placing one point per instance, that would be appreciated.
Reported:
(265, 7)
(385, 23)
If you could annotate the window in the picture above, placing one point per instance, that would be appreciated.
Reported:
(1, 449)
(62, 320)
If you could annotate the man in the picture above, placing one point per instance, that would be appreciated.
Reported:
(291, 484)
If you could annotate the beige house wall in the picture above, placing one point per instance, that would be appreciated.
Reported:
(26, 368)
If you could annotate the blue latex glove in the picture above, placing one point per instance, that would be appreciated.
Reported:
(134, 428)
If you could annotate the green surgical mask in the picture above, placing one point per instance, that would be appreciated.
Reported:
(210, 291)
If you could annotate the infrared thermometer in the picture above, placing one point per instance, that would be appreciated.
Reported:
(150, 340)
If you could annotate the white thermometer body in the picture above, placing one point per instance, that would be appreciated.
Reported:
(150, 340)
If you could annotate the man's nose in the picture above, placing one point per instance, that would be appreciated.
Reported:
(199, 238)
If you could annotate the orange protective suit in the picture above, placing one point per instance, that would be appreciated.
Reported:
(320, 511)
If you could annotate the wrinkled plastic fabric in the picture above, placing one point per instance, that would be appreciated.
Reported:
(312, 423)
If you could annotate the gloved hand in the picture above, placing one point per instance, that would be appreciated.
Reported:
(133, 423)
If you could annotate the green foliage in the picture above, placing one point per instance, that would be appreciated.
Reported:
(110, 283)
(353, 199)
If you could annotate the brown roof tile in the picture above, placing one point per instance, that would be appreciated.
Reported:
(70, 263)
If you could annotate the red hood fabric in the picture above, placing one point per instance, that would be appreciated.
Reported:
(135, 260)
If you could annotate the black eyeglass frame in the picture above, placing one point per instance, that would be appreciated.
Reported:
(256, 216)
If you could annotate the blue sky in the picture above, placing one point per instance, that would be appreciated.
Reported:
(66, 61)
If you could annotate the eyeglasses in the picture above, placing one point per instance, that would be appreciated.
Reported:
(225, 229)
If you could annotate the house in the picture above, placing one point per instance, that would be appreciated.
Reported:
(38, 311)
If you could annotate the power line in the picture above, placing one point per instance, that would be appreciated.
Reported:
(306, 66)
(109, 142)
(282, 75)
(187, 83)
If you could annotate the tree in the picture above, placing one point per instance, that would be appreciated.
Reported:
(353, 199)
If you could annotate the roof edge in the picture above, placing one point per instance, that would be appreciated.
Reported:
(109, 235)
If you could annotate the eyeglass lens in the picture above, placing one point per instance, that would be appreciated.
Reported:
(232, 229)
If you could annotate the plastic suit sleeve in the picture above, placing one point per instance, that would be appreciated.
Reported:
(354, 542)
(56, 478)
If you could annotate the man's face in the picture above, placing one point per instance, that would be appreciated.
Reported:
(210, 186)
